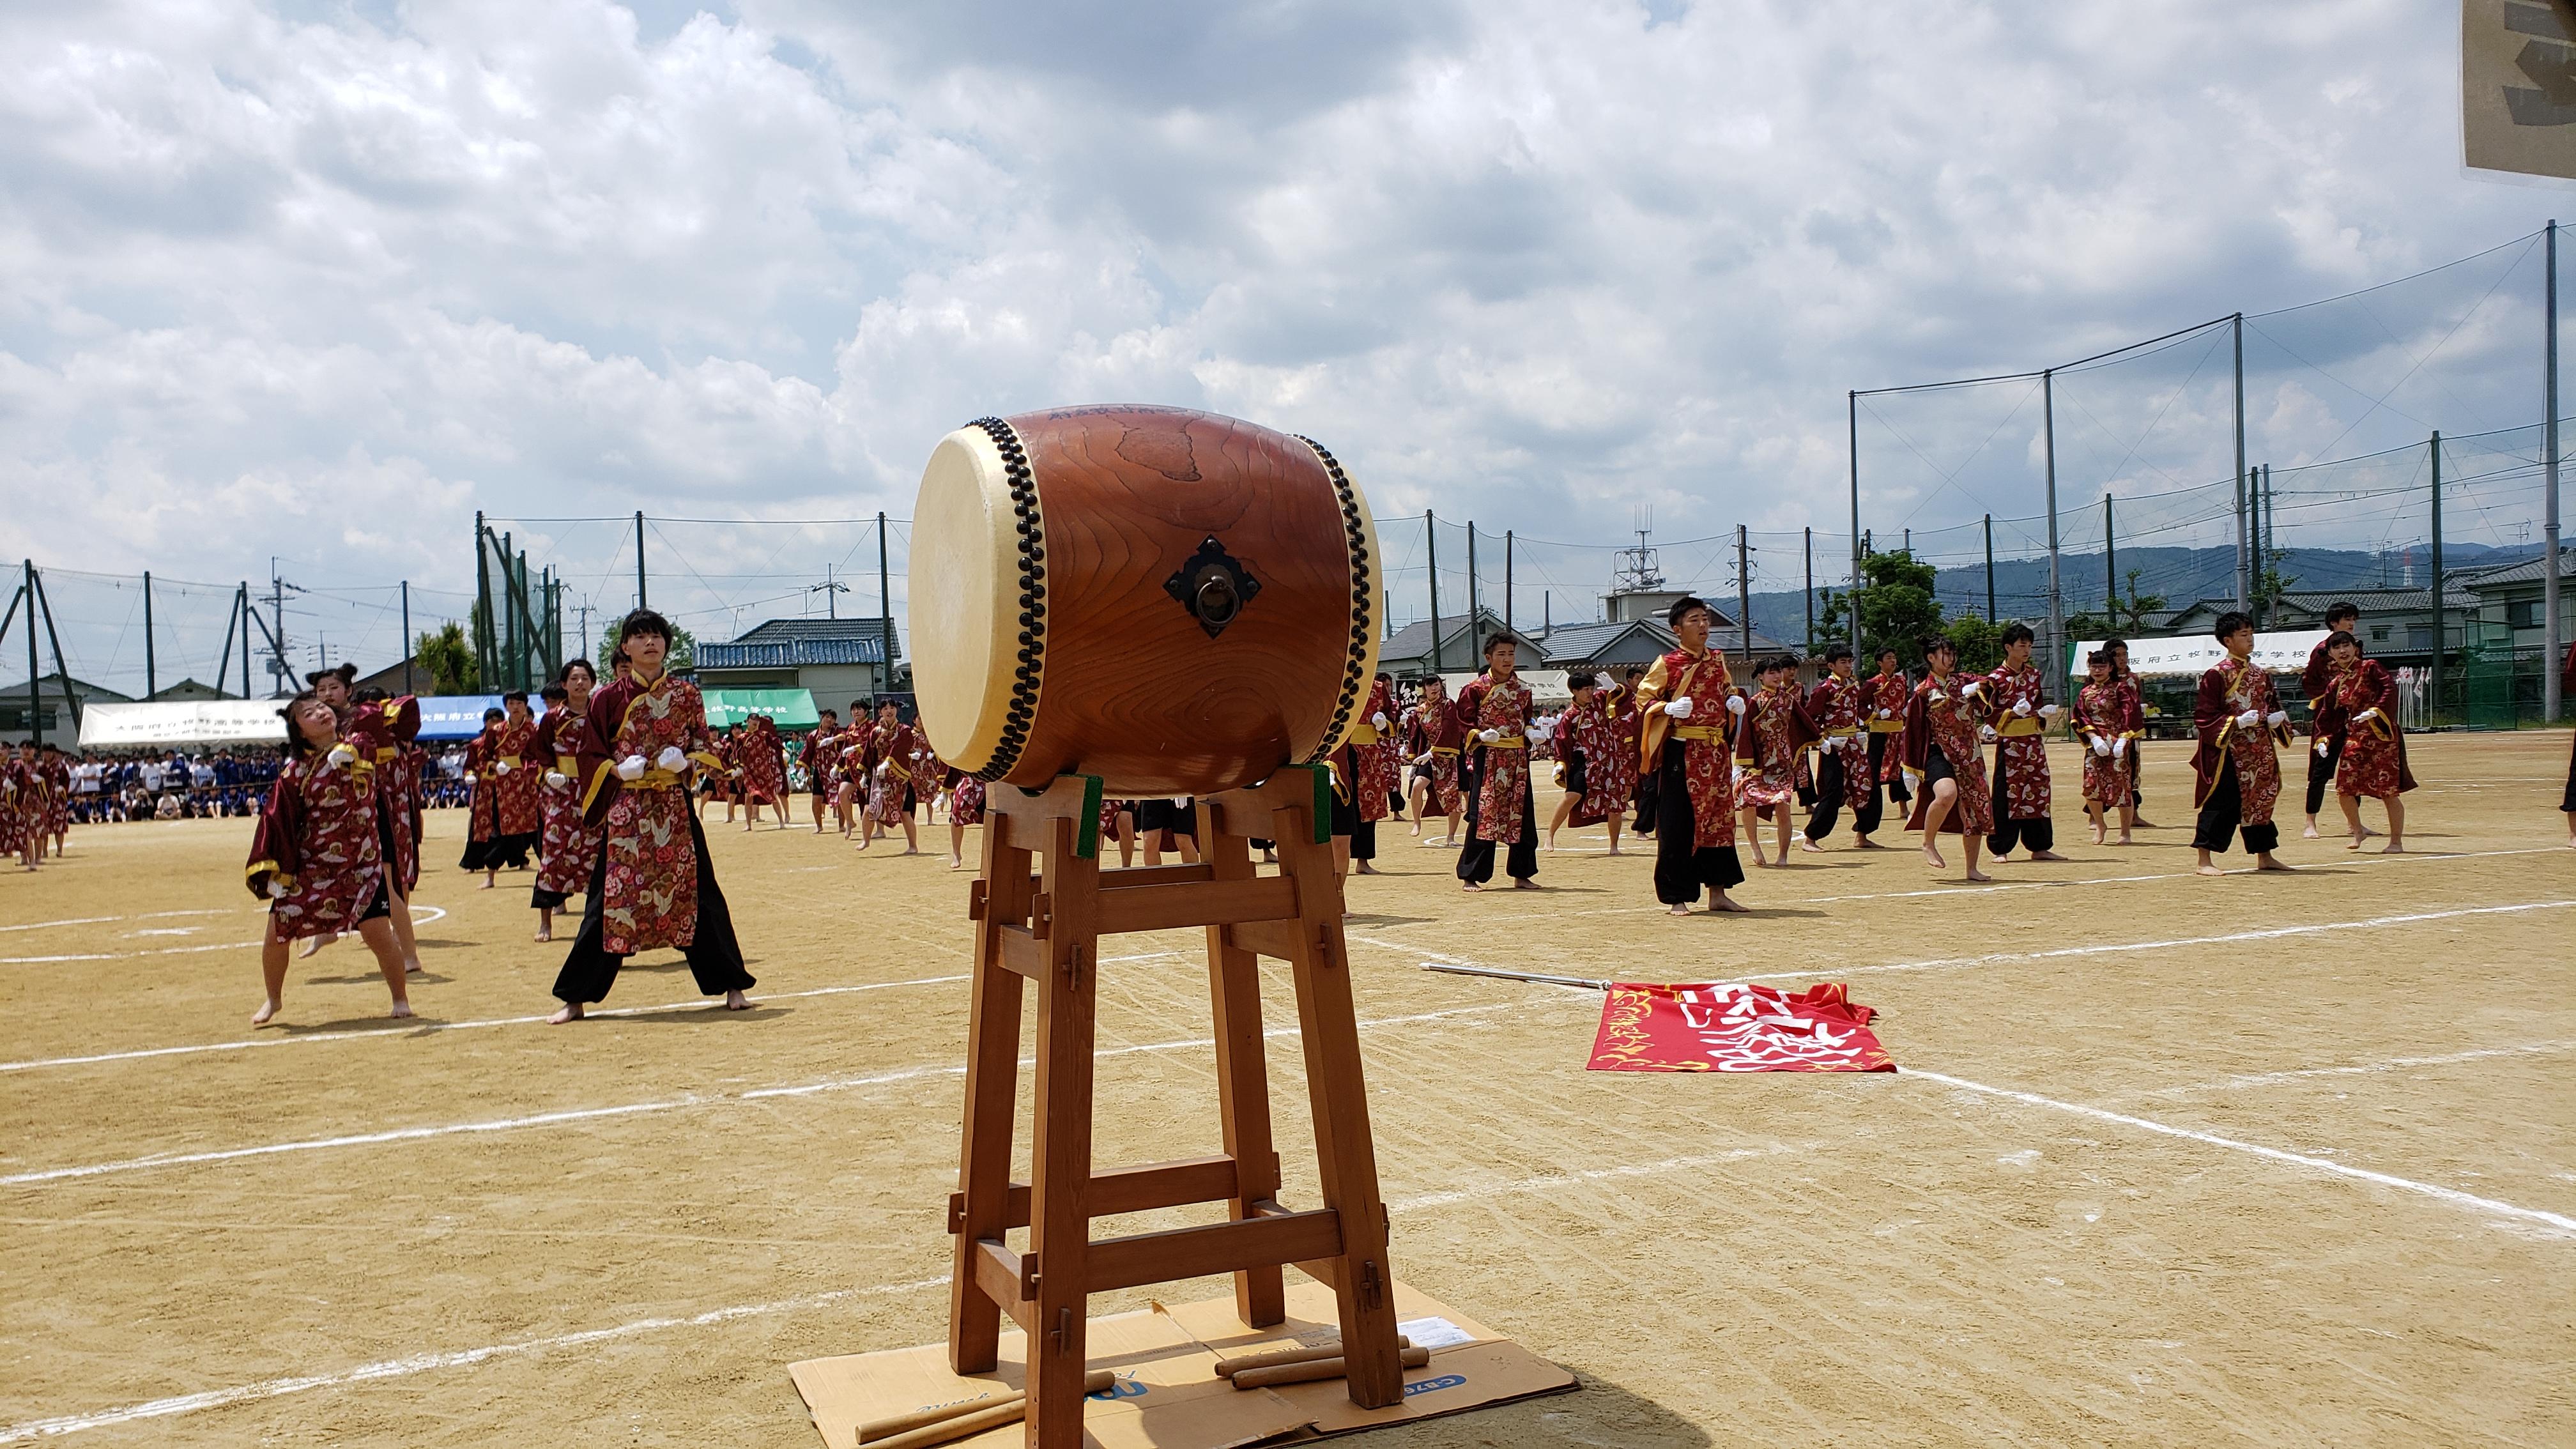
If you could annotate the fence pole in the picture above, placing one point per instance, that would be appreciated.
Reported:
(224, 656)
(151, 676)
(1507, 581)
(2244, 543)
(1809, 645)
(2056, 596)
(2553, 639)
(245, 637)
(2435, 707)
(1475, 610)
(35, 720)
(1431, 541)
(639, 558)
(62, 668)
(2110, 567)
(483, 662)
(885, 602)
(411, 650)
(1744, 595)
(1851, 422)
(1990, 568)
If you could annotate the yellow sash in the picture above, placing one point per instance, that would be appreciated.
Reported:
(2015, 726)
(1886, 726)
(1365, 734)
(1697, 732)
(1507, 742)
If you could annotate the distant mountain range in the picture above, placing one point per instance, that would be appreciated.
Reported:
(2179, 574)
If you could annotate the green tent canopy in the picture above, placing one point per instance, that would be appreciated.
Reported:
(793, 709)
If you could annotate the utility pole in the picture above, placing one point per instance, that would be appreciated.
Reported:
(243, 595)
(1475, 611)
(587, 640)
(2553, 638)
(277, 624)
(639, 559)
(411, 646)
(1990, 568)
(1507, 583)
(513, 669)
(1811, 589)
(35, 701)
(151, 673)
(2271, 560)
(831, 593)
(1744, 595)
(1431, 541)
(885, 601)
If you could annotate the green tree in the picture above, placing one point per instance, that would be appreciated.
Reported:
(684, 650)
(1896, 606)
(1980, 644)
(2129, 616)
(449, 658)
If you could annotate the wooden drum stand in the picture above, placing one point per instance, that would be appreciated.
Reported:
(1047, 928)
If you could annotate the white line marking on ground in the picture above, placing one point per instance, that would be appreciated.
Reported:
(584, 1114)
(420, 1363)
(103, 920)
(435, 913)
(415, 1027)
(2360, 1069)
(2453, 1196)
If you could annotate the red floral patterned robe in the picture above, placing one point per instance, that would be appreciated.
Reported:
(1886, 700)
(2021, 751)
(318, 835)
(15, 804)
(382, 734)
(1940, 715)
(58, 793)
(649, 891)
(895, 747)
(2374, 750)
(1375, 753)
(1609, 759)
(483, 803)
(1770, 735)
(567, 848)
(1433, 728)
(1708, 759)
(764, 761)
(965, 797)
(514, 743)
(2102, 712)
(2227, 690)
(1502, 706)
(1834, 707)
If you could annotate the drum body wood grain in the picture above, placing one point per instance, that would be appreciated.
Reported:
(1175, 601)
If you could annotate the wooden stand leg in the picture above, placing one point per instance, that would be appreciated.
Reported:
(1060, 1233)
(992, 1099)
(1243, 1079)
(1329, 1027)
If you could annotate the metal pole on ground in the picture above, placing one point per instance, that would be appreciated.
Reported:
(1810, 644)
(483, 662)
(639, 558)
(151, 672)
(2056, 596)
(1475, 610)
(62, 670)
(2244, 543)
(2271, 557)
(1851, 423)
(224, 656)
(2110, 566)
(1431, 543)
(411, 647)
(35, 721)
(885, 602)
(244, 597)
(2435, 707)
(2553, 636)
(1744, 594)
(1507, 580)
(1990, 568)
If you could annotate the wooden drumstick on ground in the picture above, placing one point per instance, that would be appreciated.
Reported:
(924, 1427)
(1314, 1369)
(1227, 1368)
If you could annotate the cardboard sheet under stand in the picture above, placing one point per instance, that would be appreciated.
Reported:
(1168, 1395)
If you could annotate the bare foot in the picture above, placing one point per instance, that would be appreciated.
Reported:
(2353, 844)
(1470, 886)
(487, 883)
(401, 1010)
(2367, 832)
(267, 1010)
(2097, 837)
(1976, 875)
(1865, 843)
(2310, 833)
(2046, 855)
(1525, 885)
(2266, 862)
(1367, 869)
(415, 969)
(544, 933)
(2125, 840)
(2392, 848)
(1724, 904)
(1677, 910)
(1932, 855)
(2145, 824)
(571, 1012)
(1809, 845)
(2207, 870)
(736, 1001)
(1614, 850)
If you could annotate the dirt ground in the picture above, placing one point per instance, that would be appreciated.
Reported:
(2273, 1160)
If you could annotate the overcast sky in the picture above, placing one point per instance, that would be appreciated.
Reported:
(319, 278)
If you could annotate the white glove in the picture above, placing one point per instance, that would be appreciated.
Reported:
(557, 779)
(1489, 736)
(2119, 746)
(2021, 707)
(2321, 748)
(631, 768)
(1423, 759)
(672, 758)
(2370, 713)
(500, 767)
(1975, 687)
(469, 777)
(1679, 708)
(1378, 720)
(1541, 731)
(1735, 704)
(2277, 718)
(2048, 711)
(341, 756)
(2101, 747)
(1883, 714)
(276, 889)
(2248, 720)
(1986, 734)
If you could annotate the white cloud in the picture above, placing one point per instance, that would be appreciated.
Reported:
(1532, 261)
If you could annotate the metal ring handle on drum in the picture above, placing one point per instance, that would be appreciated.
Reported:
(1030, 670)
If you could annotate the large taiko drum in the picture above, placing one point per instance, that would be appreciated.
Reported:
(1177, 602)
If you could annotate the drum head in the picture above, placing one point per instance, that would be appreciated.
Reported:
(965, 598)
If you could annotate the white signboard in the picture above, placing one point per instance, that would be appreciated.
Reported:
(183, 722)
(2284, 652)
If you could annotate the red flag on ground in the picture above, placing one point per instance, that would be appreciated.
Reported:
(1735, 1028)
